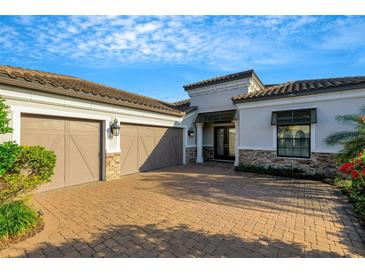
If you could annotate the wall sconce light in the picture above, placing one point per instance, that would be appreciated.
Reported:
(114, 128)
(191, 132)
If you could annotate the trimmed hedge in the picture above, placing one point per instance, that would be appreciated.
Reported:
(284, 172)
(32, 167)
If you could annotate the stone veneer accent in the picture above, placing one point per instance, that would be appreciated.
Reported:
(190, 154)
(208, 153)
(320, 163)
(112, 166)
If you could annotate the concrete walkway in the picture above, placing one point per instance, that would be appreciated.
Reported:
(195, 211)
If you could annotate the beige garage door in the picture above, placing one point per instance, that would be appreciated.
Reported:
(75, 142)
(146, 147)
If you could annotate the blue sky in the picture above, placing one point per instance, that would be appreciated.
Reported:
(156, 55)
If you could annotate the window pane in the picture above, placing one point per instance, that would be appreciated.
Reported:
(294, 140)
(220, 141)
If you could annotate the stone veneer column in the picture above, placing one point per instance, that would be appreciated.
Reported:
(112, 166)
(199, 143)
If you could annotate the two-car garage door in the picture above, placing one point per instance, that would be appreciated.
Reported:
(76, 143)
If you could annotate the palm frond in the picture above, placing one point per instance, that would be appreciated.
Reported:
(349, 118)
(352, 141)
(341, 137)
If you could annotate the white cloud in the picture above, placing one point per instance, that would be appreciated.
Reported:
(224, 42)
(149, 27)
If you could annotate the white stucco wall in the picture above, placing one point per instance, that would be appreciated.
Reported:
(257, 133)
(22, 100)
(218, 97)
(208, 135)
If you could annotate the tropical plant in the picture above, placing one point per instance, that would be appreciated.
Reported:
(352, 141)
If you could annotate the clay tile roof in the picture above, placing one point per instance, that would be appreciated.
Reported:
(184, 106)
(76, 87)
(220, 79)
(302, 87)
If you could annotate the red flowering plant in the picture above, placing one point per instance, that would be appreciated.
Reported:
(356, 167)
(354, 185)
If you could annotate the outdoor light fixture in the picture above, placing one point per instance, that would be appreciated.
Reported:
(114, 128)
(191, 132)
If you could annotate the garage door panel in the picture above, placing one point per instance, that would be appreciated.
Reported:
(163, 153)
(81, 168)
(146, 146)
(76, 144)
(85, 127)
(46, 124)
(154, 147)
(129, 159)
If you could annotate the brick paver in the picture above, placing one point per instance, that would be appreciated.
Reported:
(195, 211)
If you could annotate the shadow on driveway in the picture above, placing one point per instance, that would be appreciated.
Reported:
(179, 241)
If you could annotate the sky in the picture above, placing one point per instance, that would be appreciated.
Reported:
(156, 55)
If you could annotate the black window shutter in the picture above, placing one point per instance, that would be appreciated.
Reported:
(294, 117)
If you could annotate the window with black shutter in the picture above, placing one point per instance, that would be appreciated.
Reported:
(293, 131)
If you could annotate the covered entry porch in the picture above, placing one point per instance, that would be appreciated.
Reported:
(217, 136)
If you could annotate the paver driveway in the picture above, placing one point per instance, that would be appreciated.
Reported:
(195, 210)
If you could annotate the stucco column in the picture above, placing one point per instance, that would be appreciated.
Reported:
(199, 143)
(237, 143)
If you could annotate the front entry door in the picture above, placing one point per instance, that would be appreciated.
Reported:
(224, 142)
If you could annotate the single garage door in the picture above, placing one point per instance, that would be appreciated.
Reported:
(76, 143)
(146, 147)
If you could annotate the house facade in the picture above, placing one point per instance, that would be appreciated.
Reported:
(280, 126)
(101, 133)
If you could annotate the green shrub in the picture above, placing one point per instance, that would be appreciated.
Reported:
(8, 154)
(36, 161)
(284, 172)
(32, 167)
(16, 220)
(355, 191)
(4, 120)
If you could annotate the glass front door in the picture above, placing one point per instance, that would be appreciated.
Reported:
(224, 142)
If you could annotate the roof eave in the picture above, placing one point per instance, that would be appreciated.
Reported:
(240, 75)
(297, 94)
(76, 94)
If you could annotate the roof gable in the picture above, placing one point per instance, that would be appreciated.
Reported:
(222, 79)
